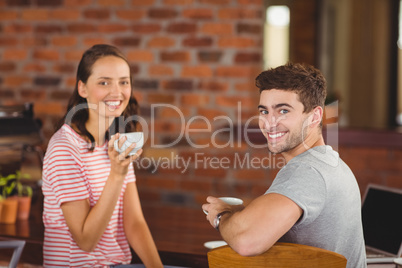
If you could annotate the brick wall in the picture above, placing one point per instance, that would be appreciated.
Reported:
(196, 59)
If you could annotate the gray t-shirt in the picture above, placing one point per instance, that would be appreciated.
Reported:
(320, 183)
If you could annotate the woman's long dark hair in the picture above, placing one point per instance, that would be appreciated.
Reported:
(77, 110)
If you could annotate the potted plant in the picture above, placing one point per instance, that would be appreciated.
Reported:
(16, 198)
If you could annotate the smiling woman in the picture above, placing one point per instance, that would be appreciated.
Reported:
(92, 212)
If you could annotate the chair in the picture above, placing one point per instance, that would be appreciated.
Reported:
(18, 246)
(280, 255)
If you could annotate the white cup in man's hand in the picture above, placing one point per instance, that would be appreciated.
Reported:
(132, 137)
(234, 201)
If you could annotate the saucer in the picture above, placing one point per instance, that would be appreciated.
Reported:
(214, 244)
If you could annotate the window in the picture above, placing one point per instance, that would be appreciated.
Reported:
(276, 36)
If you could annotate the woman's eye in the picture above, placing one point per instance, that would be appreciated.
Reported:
(125, 83)
(103, 83)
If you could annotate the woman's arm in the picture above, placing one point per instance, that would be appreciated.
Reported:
(136, 229)
(86, 223)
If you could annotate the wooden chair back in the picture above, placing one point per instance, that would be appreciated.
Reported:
(280, 255)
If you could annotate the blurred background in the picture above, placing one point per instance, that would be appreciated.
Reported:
(194, 63)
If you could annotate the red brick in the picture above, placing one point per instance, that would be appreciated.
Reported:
(64, 41)
(49, 3)
(234, 71)
(131, 14)
(178, 2)
(251, 2)
(35, 41)
(248, 57)
(196, 71)
(29, 95)
(178, 85)
(215, 2)
(16, 80)
(14, 54)
(140, 56)
(210, 114)
(161, 41)
(233, 101)
(236, 42)
(245, 28)
(161, 98)
(194, 99)
(90, 41)
(181, 28)
(18, 28)
(8, 15)
(197, 42)
(48, 29)
(217, 28)
(51, 108)
(196, 186)
(112, 28)
(7, 66)
(162, 13)
(179, 56)
(81, 28)
(73, 55)
(160, 70)
(77, 3)
(198, 13)
(239, 13)
(142, 2)
(111, 3)
(35, 14)
(127, 41)
(213, 85)
(146, 28)
(210, 56)
(8, 41)
(65, 14)
(46, 54)
(34, 67)
(98, 14)
(64, 68)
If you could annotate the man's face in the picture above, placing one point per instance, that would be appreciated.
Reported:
(282, 120)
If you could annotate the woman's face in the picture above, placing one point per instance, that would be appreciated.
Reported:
(107, 89)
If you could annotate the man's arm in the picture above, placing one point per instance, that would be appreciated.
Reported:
(254, 229)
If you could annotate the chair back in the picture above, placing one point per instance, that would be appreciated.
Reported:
(280, 255)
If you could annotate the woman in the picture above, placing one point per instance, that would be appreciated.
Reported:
(92, 212)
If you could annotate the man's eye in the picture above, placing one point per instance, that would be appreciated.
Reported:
(283, 111)
(263, 112)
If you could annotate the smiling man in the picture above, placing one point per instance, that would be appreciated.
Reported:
(314, 200)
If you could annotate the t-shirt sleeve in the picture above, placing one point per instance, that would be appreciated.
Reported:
(64, 174)
(305, 186)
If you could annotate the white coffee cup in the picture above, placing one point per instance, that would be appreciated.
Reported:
(229, 200)
(132, 137)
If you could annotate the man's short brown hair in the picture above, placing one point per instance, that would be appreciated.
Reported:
(307, 81)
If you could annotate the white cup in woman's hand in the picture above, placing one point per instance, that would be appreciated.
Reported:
(132, 137)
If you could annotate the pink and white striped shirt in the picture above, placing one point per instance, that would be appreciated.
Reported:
(70, 173)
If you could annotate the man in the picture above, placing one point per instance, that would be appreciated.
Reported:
(314, 200)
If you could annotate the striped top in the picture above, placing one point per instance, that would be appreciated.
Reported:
(70, 173)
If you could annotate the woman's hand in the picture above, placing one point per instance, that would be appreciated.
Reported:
(120, 161)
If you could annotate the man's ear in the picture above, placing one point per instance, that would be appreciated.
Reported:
(82, 89)
(316, 116)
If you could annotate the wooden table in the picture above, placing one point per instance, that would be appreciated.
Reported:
(179, 234)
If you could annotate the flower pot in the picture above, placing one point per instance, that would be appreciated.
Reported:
(24, 207)
(9, 210)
